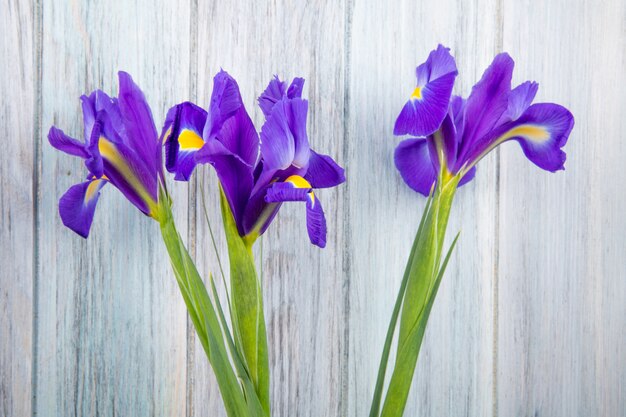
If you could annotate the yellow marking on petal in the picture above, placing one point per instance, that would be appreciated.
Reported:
(417, 93)
(188, 140)
(92, 189)
(530, 132)
(111, 154)
(300, 182)
(167, 134)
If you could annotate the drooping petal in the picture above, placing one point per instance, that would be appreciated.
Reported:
(541, 131)
(296, 188)
(66, 144)
(137, 119)
(286, 191)
(316, 221)
(487, 102)
(323, 171)
(132, 176)
(416, 167)
(428, 104)
(78, 204)
(182, 137)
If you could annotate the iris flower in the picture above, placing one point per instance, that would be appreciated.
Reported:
(257, 174)
(456, 133)
(120, 147)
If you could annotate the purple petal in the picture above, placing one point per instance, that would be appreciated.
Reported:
(446, 137)
(66, 144)
(285, 191)
(78, 204)
(428, 105)
(542, 131)
(296, 110)
(323, 171)
(240, 137)
(225, 101)
(137, 118)
(277, 142)
(413, 160)
(295, 89)
(487, 102)
(468, 176)
(234, 175)
(296, 188)
(315, 221)
(274, 92)
(182, 133)
(519, 100)
(130, 174)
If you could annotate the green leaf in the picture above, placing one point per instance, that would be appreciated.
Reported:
(202, 315)
(382, 369)
(247, 306)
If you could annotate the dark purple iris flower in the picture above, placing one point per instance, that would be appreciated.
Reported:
(120, 147)
(256, 174)
(459, 132)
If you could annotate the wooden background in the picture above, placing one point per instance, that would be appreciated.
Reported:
(531, 316)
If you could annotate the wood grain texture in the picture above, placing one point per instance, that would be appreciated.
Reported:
(112, 324)
(530, 318)
(562, 269)
(17, 210)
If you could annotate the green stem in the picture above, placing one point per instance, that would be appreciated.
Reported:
(203, 316)
(421, 288)
(247, 307)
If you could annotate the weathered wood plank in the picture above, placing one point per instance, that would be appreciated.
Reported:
(454, 372)
(17, 207)
(112, 324)
(303, 286)
(562, 314)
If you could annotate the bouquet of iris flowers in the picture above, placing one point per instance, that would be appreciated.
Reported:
(257, 173)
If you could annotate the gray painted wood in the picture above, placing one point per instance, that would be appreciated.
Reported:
(530, 318)
(17, 171)
(112, 325)
(562, 268)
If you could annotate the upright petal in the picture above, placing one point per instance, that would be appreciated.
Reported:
(487, 102)
(416, 167)
(274, 92)
(138, 122)
(240, 137)
(428, 104)
(297, 110)
(520, 99)
(182, 135)
(66, 144)
(277, 141)
(78, 204)
(323, 171)
(225, 101)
